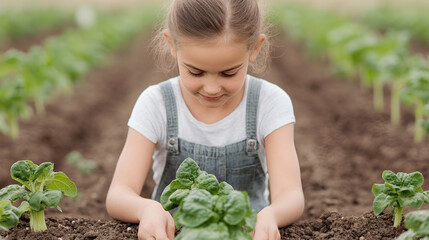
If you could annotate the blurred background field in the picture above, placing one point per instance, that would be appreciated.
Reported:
(70, 4)
(68, 86)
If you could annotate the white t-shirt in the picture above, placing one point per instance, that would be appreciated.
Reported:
(150, 119)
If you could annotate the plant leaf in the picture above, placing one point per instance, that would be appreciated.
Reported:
(250, 220)
(42, 176)
(418, 222)
(235, 208)
(391, 178)
(187, 172)
(9, 215)
(225, 188)
(13, 192)
(410, 199)
(219, 204)
(408, 235)
(49, 198)
(43, 171)
(177, 196)
(426, 193)
(208, 182)
(165, 198)
(212, 231)
(176, 216)
(196, 208)
(175, 184)
(62, 183)
(22, 171)
(238, 233)
(382, 201)
(378, 188)
(414, 180)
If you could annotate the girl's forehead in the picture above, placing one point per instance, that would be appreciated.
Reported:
(213, 55)
(221, 40)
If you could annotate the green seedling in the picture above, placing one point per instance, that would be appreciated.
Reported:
(9, 215)
(85, 166)
(417, 223)
(207, 209)
(398, 191)
(41, 188)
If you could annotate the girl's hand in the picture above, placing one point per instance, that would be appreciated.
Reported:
(266, 226)
(156, 223)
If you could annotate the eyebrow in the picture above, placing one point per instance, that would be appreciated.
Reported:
(229, 69)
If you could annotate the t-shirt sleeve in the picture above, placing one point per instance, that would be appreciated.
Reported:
(275, 109)
(148, 115)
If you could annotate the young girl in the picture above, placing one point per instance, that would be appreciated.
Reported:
(235, 126)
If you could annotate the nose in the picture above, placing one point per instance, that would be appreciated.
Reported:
(212, 85)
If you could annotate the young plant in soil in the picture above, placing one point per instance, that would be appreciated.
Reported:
(398, 191)
(207, 209)
(417, 223)
(85, 166)
(45, 189)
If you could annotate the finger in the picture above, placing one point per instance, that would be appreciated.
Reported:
(273, 234)
(259, 235)
(161, 233)
(279, 237)
(145, 236)
(171, 228)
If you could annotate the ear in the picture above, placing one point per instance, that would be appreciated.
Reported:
(257, 47)
(170, 42)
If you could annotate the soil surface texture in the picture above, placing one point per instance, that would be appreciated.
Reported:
(343, 146)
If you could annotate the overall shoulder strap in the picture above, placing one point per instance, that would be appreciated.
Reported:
(172, 125)
(252, 113)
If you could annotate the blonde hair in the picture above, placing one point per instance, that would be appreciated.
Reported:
(207, 19)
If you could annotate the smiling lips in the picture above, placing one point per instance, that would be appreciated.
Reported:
(212, 99)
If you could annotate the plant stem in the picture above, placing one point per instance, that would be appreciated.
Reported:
(40, 106)
(378, 95)
(419, 132)
(13, 128)
(363, 80)
(395, 107)
(37, 221)
(398, 216)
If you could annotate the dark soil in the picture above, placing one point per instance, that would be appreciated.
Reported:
(328, 226)
(343, 146)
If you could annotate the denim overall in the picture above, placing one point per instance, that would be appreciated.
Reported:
(238, 163)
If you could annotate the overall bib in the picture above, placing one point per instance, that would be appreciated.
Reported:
(238, 164)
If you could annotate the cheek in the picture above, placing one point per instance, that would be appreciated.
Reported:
(236, 83)
(189, 83)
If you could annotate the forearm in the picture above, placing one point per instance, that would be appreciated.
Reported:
(124, 204)
(287, 207)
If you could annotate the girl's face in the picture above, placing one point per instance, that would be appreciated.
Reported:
(213, 73)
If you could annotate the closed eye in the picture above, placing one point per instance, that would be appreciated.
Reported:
(228, 74)
(197, 74)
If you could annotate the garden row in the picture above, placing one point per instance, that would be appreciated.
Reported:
(33, 77)
(207, 209)
(16, 23)
(411, 19)
(356, 50)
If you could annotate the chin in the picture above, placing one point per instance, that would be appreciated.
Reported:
(211, 104)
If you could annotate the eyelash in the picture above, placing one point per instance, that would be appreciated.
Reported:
(201, 74)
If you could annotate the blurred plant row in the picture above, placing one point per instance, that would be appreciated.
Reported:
(29, 79)
(360, 51)
(414, 20)
(19, 23)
